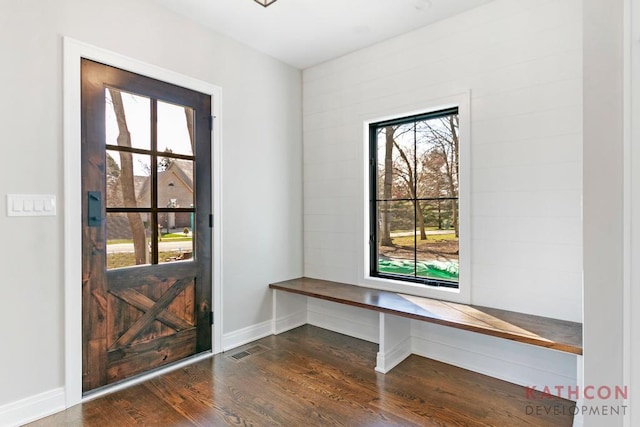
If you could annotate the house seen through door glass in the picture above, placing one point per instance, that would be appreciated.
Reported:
(150, 189)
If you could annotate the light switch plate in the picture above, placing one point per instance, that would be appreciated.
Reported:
(31, 205)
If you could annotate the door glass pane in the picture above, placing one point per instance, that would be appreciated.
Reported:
(128, 116)
(175, 184)
(128, 239)
(176, 244)
(396, 236)
(128, 180)
(175, 129)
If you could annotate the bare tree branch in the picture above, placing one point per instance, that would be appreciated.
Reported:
(127, 180)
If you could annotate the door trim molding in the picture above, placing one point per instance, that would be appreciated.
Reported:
(73, 51)
(631, 296)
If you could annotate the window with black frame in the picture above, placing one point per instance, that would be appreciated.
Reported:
(414, 219)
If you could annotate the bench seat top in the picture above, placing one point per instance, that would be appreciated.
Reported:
(556, 334)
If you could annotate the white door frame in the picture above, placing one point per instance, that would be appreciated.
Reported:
(631, 90)
(73, 51)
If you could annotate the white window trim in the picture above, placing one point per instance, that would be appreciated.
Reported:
(463, 293)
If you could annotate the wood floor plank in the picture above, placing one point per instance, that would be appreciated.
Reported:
(324, 386)
(313, 377)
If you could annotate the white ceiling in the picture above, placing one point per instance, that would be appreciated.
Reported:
(304, 33)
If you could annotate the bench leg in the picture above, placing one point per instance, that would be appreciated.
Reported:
(395, 341)
(289, 311)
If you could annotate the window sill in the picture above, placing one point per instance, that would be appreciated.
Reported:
(436, 292)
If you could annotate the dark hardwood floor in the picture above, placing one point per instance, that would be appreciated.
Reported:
(313, 377)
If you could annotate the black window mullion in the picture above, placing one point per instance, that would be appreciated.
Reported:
(415, 202)
(154, 182)
(143, 151)
(131, 150)
(425, 199)
(128, 210)
(177, 210)
(373, 195)
(418, 118)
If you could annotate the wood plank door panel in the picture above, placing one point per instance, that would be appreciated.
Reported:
(146, 151)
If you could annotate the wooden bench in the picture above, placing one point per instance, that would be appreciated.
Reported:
(525, 328)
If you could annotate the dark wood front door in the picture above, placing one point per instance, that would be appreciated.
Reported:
(146, 236)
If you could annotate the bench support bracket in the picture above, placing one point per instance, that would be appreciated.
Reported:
(395, 342)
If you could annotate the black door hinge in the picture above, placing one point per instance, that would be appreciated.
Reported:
(210, 122)
(211, 317)
(210, 220)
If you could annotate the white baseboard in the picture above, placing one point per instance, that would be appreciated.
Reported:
(32, 408)
(392, 358)
(246, 335)
(291, 321)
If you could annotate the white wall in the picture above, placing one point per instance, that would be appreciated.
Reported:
(262, 171)
(522, 62)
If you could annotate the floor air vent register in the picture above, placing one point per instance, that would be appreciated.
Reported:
(256, 349)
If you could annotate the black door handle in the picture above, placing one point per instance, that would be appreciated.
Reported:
(95, 209)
